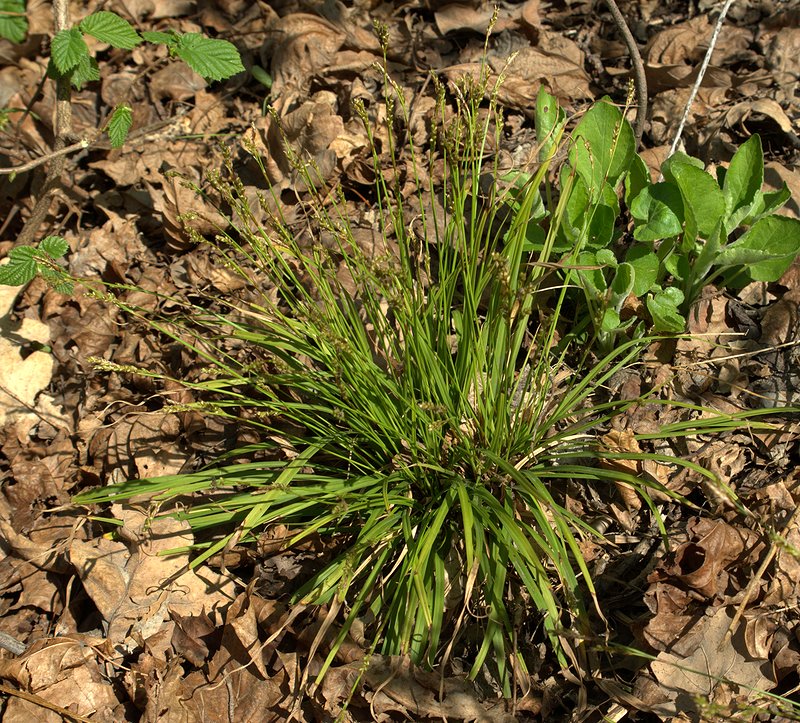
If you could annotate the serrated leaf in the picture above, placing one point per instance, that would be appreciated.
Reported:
(156, 36)
(112, 29)
(67, 49)
(14, 26)
(21, 267)
(54, 246)
(119, 124)
(84, 72)
(212, 58)
(57, 281)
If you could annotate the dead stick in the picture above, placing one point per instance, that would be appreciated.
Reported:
(706, 60)
(637, 66)
(12, 645)
(756, 580)
(30, 165)
(63, 129)
(38, 700)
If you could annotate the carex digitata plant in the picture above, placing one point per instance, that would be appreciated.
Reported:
(416, 408)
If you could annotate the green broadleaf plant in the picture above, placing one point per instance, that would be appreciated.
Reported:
(26, 262)
(689, 231)
(412, 414)
(415, 408)
(211, 58)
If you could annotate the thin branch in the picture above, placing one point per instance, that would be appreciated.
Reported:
(636, 64)
(63, 130)
(700, 75)
(42, 702)
(80, 145)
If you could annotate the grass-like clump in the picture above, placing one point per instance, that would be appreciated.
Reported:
(421, 409)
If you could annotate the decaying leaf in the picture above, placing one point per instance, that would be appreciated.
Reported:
(709, 664)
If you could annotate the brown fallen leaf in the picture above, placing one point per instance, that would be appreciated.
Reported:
(707, 664)
(135, 588)
(66, 671)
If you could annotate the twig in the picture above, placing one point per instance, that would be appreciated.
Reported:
(41, 702)
(12, 645)
(700, 75)
(636, 64)
(83, 143)
(756, 580)
(63, 129)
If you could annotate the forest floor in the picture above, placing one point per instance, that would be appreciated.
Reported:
(109, 631)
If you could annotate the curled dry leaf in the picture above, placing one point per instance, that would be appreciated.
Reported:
(304, 45)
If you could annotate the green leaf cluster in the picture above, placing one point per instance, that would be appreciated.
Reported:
(70, 57)
(26, 262)
(689, 230)
(409, 406)
(423, 411)
(212, 58)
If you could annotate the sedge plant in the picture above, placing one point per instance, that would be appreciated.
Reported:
(415, 407)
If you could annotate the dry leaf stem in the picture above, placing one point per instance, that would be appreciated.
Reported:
(701, 74)
(63, 130)
(636, 64)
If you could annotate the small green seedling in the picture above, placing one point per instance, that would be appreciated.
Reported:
(27, 262)
(212, 58)
(70, 57)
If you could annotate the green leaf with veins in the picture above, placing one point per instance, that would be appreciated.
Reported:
(54, 246)
(67, 48)
(658, 209)
(110, 28)
(156, 36)
(603, 146)
(119, 124)
(21, 267)
(13, 24)
(703, 200)
(213, 59)
(84, 72)
(744, 177)
(645, 264)
(765, 251)
(663, 307)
